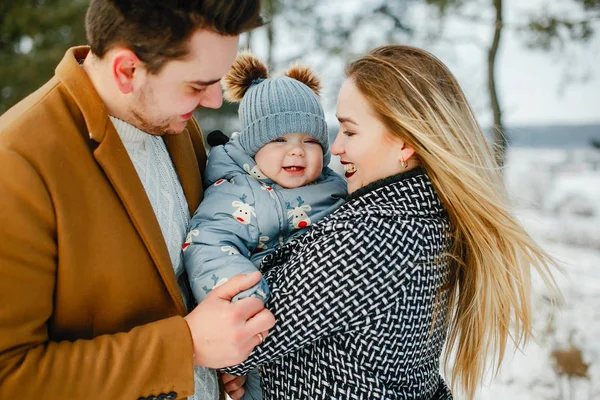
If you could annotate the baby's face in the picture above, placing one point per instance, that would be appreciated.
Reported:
(292, 160)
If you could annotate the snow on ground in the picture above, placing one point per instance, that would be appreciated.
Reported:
(558, 198)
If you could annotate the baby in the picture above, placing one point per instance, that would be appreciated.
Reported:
(266, 185)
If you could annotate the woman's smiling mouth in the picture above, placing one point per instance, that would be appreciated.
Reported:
(349, 168)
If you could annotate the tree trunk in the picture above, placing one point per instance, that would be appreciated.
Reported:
(500, 141)
(248, 42)
(270, 38)
(271, 11)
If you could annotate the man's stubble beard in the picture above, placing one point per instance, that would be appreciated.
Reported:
(142, 122)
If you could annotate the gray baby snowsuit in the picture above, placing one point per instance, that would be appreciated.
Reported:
(245, 216)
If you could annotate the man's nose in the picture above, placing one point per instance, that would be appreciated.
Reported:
(212, 97)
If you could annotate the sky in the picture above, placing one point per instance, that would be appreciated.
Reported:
(535, 87)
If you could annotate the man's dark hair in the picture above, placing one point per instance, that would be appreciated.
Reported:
(157, 30)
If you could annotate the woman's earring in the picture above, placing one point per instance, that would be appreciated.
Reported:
(403, 163)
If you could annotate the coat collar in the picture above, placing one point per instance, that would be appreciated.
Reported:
(408, 193)
(113, 158)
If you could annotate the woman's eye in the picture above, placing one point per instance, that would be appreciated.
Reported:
(348, 133)
(197, 90)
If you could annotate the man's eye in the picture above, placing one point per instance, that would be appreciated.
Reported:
(197, 90)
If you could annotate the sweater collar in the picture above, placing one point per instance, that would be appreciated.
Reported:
(129, 133)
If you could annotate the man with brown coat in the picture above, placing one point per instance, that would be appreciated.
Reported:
(99, 172)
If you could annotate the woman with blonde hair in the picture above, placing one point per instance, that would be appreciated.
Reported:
(425, 255)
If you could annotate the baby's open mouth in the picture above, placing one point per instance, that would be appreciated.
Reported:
(293, 168)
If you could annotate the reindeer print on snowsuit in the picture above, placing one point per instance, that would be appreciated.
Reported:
(297, 215)
(255, 172)
(244, 211)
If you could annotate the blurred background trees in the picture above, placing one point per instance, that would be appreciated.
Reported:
(332, 31)
(543, 30)
(340, 29)
(35, 33)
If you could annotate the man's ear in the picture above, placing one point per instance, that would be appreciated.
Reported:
(124, 66)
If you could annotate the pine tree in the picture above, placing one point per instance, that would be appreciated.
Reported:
(34, 35)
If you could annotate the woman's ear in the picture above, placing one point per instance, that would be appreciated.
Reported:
(406, 152)
(124, 66)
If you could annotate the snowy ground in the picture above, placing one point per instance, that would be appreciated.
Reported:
(557, 194)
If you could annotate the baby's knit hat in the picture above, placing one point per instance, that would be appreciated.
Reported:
(272, 107)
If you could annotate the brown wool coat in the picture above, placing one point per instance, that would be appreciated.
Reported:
(89, 304)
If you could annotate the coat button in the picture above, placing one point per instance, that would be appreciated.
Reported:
(171, 396)
(162, 396)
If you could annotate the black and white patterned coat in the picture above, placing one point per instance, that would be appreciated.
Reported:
(354, 300)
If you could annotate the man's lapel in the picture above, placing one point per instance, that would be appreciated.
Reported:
(112, 156)
(186, 162)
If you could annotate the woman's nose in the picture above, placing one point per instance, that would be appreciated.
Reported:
(336, 147)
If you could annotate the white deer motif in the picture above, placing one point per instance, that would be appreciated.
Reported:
(267, 188)
(244, 211)
(255, 172)
(188, 239)
(298, 214)
(230, 250)
(262, 243)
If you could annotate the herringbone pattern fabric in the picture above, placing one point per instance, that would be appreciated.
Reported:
(355, 299)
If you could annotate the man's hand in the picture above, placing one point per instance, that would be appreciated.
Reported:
(224, 333)
(234, 385)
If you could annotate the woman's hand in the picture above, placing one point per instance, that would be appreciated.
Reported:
(234, 385)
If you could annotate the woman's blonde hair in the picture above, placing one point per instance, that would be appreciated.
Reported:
(419, 100)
